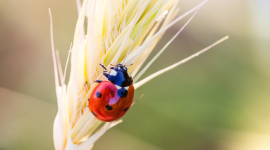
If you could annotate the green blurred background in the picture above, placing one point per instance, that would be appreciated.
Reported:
(218, 101)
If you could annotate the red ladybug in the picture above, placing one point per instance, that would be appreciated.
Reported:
(110, 100)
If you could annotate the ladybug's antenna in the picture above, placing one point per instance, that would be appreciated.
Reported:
(113, 65)
(137, 36)
(128, 65)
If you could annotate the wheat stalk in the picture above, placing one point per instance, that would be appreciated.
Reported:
(115, 29)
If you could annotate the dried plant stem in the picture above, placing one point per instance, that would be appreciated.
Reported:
(165, 47)
(138, 84)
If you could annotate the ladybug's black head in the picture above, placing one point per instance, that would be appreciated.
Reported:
(120, 76)
(121, 68)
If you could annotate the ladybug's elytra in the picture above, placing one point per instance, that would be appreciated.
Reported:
(110, 100)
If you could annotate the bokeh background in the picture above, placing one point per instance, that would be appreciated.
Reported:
(218, 101)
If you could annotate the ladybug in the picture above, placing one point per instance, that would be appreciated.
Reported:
(111, 99)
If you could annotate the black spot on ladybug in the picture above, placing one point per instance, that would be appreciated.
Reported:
(88, 99)
(122, 92)
(126, 109)
(98, 95)
(94, 113)
(109, 107)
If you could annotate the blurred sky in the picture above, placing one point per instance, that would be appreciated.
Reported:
(218, 101)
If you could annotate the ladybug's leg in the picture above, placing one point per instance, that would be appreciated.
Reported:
(87, 102)
(98, 81)
(105, 74)
(103, 66)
